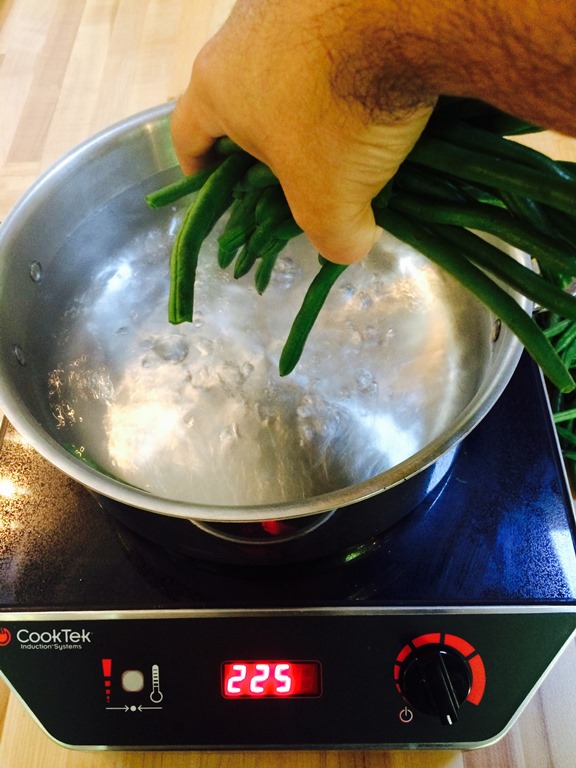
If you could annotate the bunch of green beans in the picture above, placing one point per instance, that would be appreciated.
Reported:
(562, 334)
(464, 177)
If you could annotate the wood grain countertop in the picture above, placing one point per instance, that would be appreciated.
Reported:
(69, 68)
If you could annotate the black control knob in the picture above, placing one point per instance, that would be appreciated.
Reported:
(436, 680)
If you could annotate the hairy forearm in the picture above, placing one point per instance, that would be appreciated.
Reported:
(333, 94)
(390, 55)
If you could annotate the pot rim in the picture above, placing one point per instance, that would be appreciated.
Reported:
(30, 429)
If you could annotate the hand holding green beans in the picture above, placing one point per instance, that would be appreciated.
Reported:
(461, 177)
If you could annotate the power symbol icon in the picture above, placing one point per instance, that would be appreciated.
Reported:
(406, 715)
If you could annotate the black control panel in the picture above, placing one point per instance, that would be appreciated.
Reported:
(282, 678)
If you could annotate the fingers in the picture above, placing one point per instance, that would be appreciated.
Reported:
(192, 142)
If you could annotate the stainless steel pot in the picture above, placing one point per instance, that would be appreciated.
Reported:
(193, 422)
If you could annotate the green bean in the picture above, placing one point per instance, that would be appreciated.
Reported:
(570, 165)
(245, 260)
(569, 355)
(481, 194)
(567, 338)
(266, 264)
(507, 269)
(225, 146)
(383, 197)
(505, 125)
(226, 256)
(567, 435)
(495, 298)
(272, 205)
(264, 238)
(556, 329)
(443, 185)
(313, 302)
(502, 174)
(478, 140)
(179, 189)
(460, 108)
(212, 201)
(416, 180)
(482, 115)
(238, 228)
(542, 218)
(274, 219)
(528, 210)
(80, 454)
(563, 224)
(250, 253)
(287, 230)
(494, 221)
(257, 177)
(566, 415)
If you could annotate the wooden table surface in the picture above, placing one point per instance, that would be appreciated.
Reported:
(67, 69)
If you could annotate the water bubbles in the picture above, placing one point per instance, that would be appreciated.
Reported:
(233, 376)
(64, 414)
(286, 272)
(204, 346)
(305, 411)
(36, 271)
(355, 338)
(363, 301)
(55, 381)
(150, 361)
(347, 291)
(205, 377)
(19, 354)
(311, 418)
(372, 335)
(229, 434)
(267, 412)
(366, 382)
(172, 349)
(188, 419)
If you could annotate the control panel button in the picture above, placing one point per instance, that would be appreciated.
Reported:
(132, 680)
(406, 715)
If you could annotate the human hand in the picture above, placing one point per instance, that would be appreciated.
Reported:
(286, 81)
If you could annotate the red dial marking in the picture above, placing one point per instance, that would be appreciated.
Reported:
(470, 654)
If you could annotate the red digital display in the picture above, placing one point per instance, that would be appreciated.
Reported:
(265, 679)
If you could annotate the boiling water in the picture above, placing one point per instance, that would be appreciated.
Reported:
(198, 412)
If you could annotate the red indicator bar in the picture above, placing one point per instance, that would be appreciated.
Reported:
(461, 645)
(430, 639)
(270, 679)
(478, 679)
(406, 651)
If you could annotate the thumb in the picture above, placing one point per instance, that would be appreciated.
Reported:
(330, 192)
(345, 234)
(342, 230)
